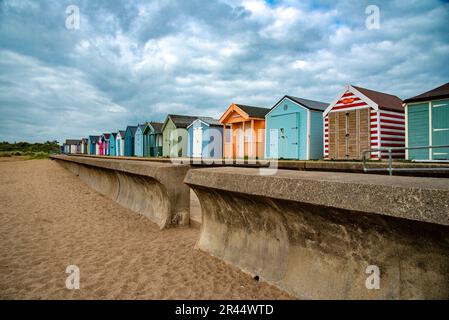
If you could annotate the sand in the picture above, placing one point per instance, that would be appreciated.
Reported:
(50, 219)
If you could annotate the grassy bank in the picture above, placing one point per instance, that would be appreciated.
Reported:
(28, 151)
(29, 155)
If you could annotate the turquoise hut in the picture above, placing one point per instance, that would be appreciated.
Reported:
(92, 144)
(205, 138)
(113, 144)
(138, 141)
(427, 124)
(294, 129)
(152, 139)
(129, 140)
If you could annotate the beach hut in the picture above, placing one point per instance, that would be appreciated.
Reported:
(72, 146)
(94, 145)
(112, 144)
(175, 136)
(294, 129)
(152, 139)
(65, 148)
(105, 139)
(138, 141)
(130, 134)
(101, 146)
(247, 125)
(84, 145)
(205, 138)
(427, 124)
(120, 143)
(360, 119)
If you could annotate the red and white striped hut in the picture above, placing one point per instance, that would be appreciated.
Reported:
(361, 119)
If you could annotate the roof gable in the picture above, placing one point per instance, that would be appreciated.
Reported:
(246, 112)
(140, 129)
(374, 99)
(131, 130)
(156, 127)
(94, 139)
(305, 103)
(208, 121)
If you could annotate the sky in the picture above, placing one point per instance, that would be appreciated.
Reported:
(133, 61)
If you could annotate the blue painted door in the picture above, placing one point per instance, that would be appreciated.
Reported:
(440, 129)
(288, 136)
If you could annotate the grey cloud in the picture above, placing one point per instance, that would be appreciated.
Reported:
(133, 61)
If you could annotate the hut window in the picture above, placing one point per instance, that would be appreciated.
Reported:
(285, 107)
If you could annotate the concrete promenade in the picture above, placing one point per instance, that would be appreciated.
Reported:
(312, 234)
(153, 189)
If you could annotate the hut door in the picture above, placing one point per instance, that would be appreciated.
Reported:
(197, 141)
(440, 129)
(349, 134)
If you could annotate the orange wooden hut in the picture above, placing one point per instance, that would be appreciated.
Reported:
(246, 136)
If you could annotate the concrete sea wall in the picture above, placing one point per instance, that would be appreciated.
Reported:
(314, 234)
(155, 190)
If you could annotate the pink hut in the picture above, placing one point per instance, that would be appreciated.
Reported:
(100, 147)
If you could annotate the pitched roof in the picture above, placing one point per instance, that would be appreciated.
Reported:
(440, 92)
(114, 134)
(72, 141)
(122, 133)
(253, 112)
(141, 127)
(157, 126)
(94, 138)
(106, 135)
(384, 100)
(210, 121)
(309, 104)
(181, 121)
(132, 129)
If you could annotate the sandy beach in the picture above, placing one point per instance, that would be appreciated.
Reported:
(50, 219)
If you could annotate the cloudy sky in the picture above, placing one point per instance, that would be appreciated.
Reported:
(134, 61)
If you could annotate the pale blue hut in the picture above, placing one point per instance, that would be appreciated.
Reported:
(205, 138)
(138, 141)
(294, 129)
(113, 144)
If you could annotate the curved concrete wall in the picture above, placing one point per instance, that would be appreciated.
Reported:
(145, 196)
(154, 190)
(315, 251)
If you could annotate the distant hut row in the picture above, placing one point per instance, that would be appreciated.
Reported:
(358, 119)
